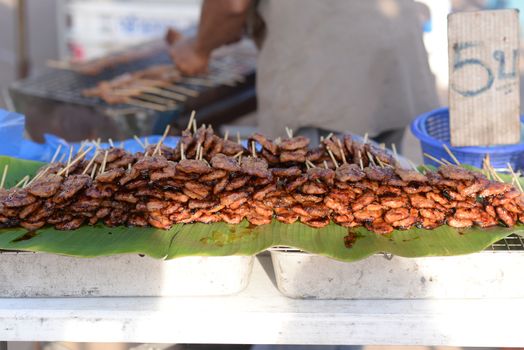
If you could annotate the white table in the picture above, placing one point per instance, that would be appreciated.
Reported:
(261, 315)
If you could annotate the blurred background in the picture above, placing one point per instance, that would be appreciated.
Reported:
(32, 32)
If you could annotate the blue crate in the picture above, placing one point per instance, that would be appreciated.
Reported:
(432, 129)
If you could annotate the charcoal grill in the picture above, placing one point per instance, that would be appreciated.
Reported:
(53, 102)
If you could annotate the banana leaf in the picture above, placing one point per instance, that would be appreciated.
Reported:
(222, 239)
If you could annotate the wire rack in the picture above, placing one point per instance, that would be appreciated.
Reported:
(513, 242)
(510, 243)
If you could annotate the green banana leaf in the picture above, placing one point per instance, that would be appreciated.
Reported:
(222, 239)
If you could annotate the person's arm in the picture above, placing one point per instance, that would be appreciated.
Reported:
(221, 22)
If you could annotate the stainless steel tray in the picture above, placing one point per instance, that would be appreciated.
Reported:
(496, 273)
(25, 274)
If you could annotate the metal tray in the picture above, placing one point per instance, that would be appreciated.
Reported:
(494, 273)
(25, 274)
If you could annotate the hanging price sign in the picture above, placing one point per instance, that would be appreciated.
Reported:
(484, 95)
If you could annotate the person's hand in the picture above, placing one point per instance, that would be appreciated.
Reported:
(188, 59)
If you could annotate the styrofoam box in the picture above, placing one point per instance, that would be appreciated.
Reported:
(47, 275)
(496, 274)
(98, 27)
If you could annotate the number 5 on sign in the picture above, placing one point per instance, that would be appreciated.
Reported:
(484, 94)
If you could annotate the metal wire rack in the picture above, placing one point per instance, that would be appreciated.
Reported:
(512, 243)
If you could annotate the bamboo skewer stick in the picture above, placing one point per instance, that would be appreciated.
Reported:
(333, 158)
(413, 165)
(82, 145)
(447, 162)
(360, 160)
(57, 152)
(75, 161)
(226, 135)
(69, 161)
(238, 154)
(253, 149)
(167, 94)
(24, 180)
(157, 99)
(147, 105)
(139, 142)
(394, 147)
(159, 144)
(90, 163)
(197, 153)
(110, 140)
(4, 175)
(195, 129)
(380, 162)
(366, 138)
(239, 141)
(341, 151)
(191, 118)
(371, 159)
(62, 158)
(37, 176)
(330, 135)
(93, 172)
(326, 165)
(310, 163)
(103, 166)
(182, 155)
(182, 90)
(515, 177)
(433, 159)
(198, 81)
(289, 132)
(451, 154)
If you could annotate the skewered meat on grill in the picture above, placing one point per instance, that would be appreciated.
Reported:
(226, 182)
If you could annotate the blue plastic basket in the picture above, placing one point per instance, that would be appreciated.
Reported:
(432, 129)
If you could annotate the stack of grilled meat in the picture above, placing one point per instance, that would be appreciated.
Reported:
(208, 179)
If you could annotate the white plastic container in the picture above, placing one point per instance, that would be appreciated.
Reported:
(489, 274)
(47, 275)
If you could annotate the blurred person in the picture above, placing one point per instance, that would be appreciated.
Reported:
(331, 65)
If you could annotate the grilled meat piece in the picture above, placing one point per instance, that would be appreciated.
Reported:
(326, 175)
(265, 143)
(287, 172)
(255, 167)
(298, 155)
(112, 155)
(110, 175)
(46, 186)
(454, 172)
(71, 186)
(193, 166)
(293, 144)
(349, 173)
(223, 162)
(375, 173)
(410, 175)
(230, 148)
(316, 154)
(151, 163)
(18, 197)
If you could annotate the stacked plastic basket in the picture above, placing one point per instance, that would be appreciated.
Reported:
(432, 129)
